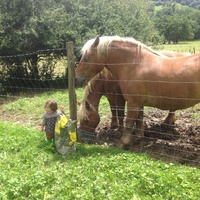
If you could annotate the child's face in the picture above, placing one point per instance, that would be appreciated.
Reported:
(48, 109)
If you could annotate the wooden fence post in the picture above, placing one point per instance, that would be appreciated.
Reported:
(71, 81)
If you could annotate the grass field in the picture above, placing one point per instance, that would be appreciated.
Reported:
(31, 169)
(186, 46)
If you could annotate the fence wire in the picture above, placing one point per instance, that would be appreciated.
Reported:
(178, 143)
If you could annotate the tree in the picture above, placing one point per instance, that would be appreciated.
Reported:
(38, 30)
(27, 28)
(174, 23)
(128, 18)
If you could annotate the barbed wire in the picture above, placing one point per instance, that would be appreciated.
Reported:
(77, 49)
(32, 53)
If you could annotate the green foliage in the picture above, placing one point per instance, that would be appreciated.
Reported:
(190, 3)
(27, 27)
(31, 26)
(31, 169)
(176, 22)
(34, 33)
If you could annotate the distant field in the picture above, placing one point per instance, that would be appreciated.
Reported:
(185, 46)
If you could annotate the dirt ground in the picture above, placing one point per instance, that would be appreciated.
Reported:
(177, 144)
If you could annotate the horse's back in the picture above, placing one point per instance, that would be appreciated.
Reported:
(173, 54)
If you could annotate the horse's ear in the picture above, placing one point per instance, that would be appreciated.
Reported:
(96, 42)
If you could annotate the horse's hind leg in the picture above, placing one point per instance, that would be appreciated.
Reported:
(114, 117)
(117, 106)
(139, 131)
(170, 119)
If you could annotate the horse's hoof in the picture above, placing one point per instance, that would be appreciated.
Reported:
(127, 139)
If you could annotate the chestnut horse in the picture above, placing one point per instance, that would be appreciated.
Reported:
(145, 77)
(103, 84)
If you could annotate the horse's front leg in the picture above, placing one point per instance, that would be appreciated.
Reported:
(132, 116)
(139, 131)
(120, 111)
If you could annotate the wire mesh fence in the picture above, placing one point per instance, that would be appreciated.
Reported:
(20, 74)
(179, 142)
(146, 79)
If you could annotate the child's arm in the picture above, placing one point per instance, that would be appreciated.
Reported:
(43, 124)
(62, 109)
(42, 129)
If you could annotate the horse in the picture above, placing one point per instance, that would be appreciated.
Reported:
(145, 77)
(103, 84)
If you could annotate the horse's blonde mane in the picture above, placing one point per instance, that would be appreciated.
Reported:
(82, 111)
(105, 42)
(87, 90)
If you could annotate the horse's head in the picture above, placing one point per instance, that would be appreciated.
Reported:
(90, 63)
(89, 117)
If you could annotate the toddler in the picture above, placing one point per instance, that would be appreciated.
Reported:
(49, 119)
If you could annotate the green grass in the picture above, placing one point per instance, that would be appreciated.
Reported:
(186, 46)
(30, 169)
(29, 110)
(25, 110)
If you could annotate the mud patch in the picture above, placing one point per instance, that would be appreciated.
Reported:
(178, 144)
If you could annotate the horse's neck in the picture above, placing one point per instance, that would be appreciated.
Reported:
(118, 54)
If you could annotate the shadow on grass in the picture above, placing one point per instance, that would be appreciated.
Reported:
(83, 150)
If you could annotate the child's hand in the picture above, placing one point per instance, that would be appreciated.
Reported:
(62, 109)
(42, 129)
